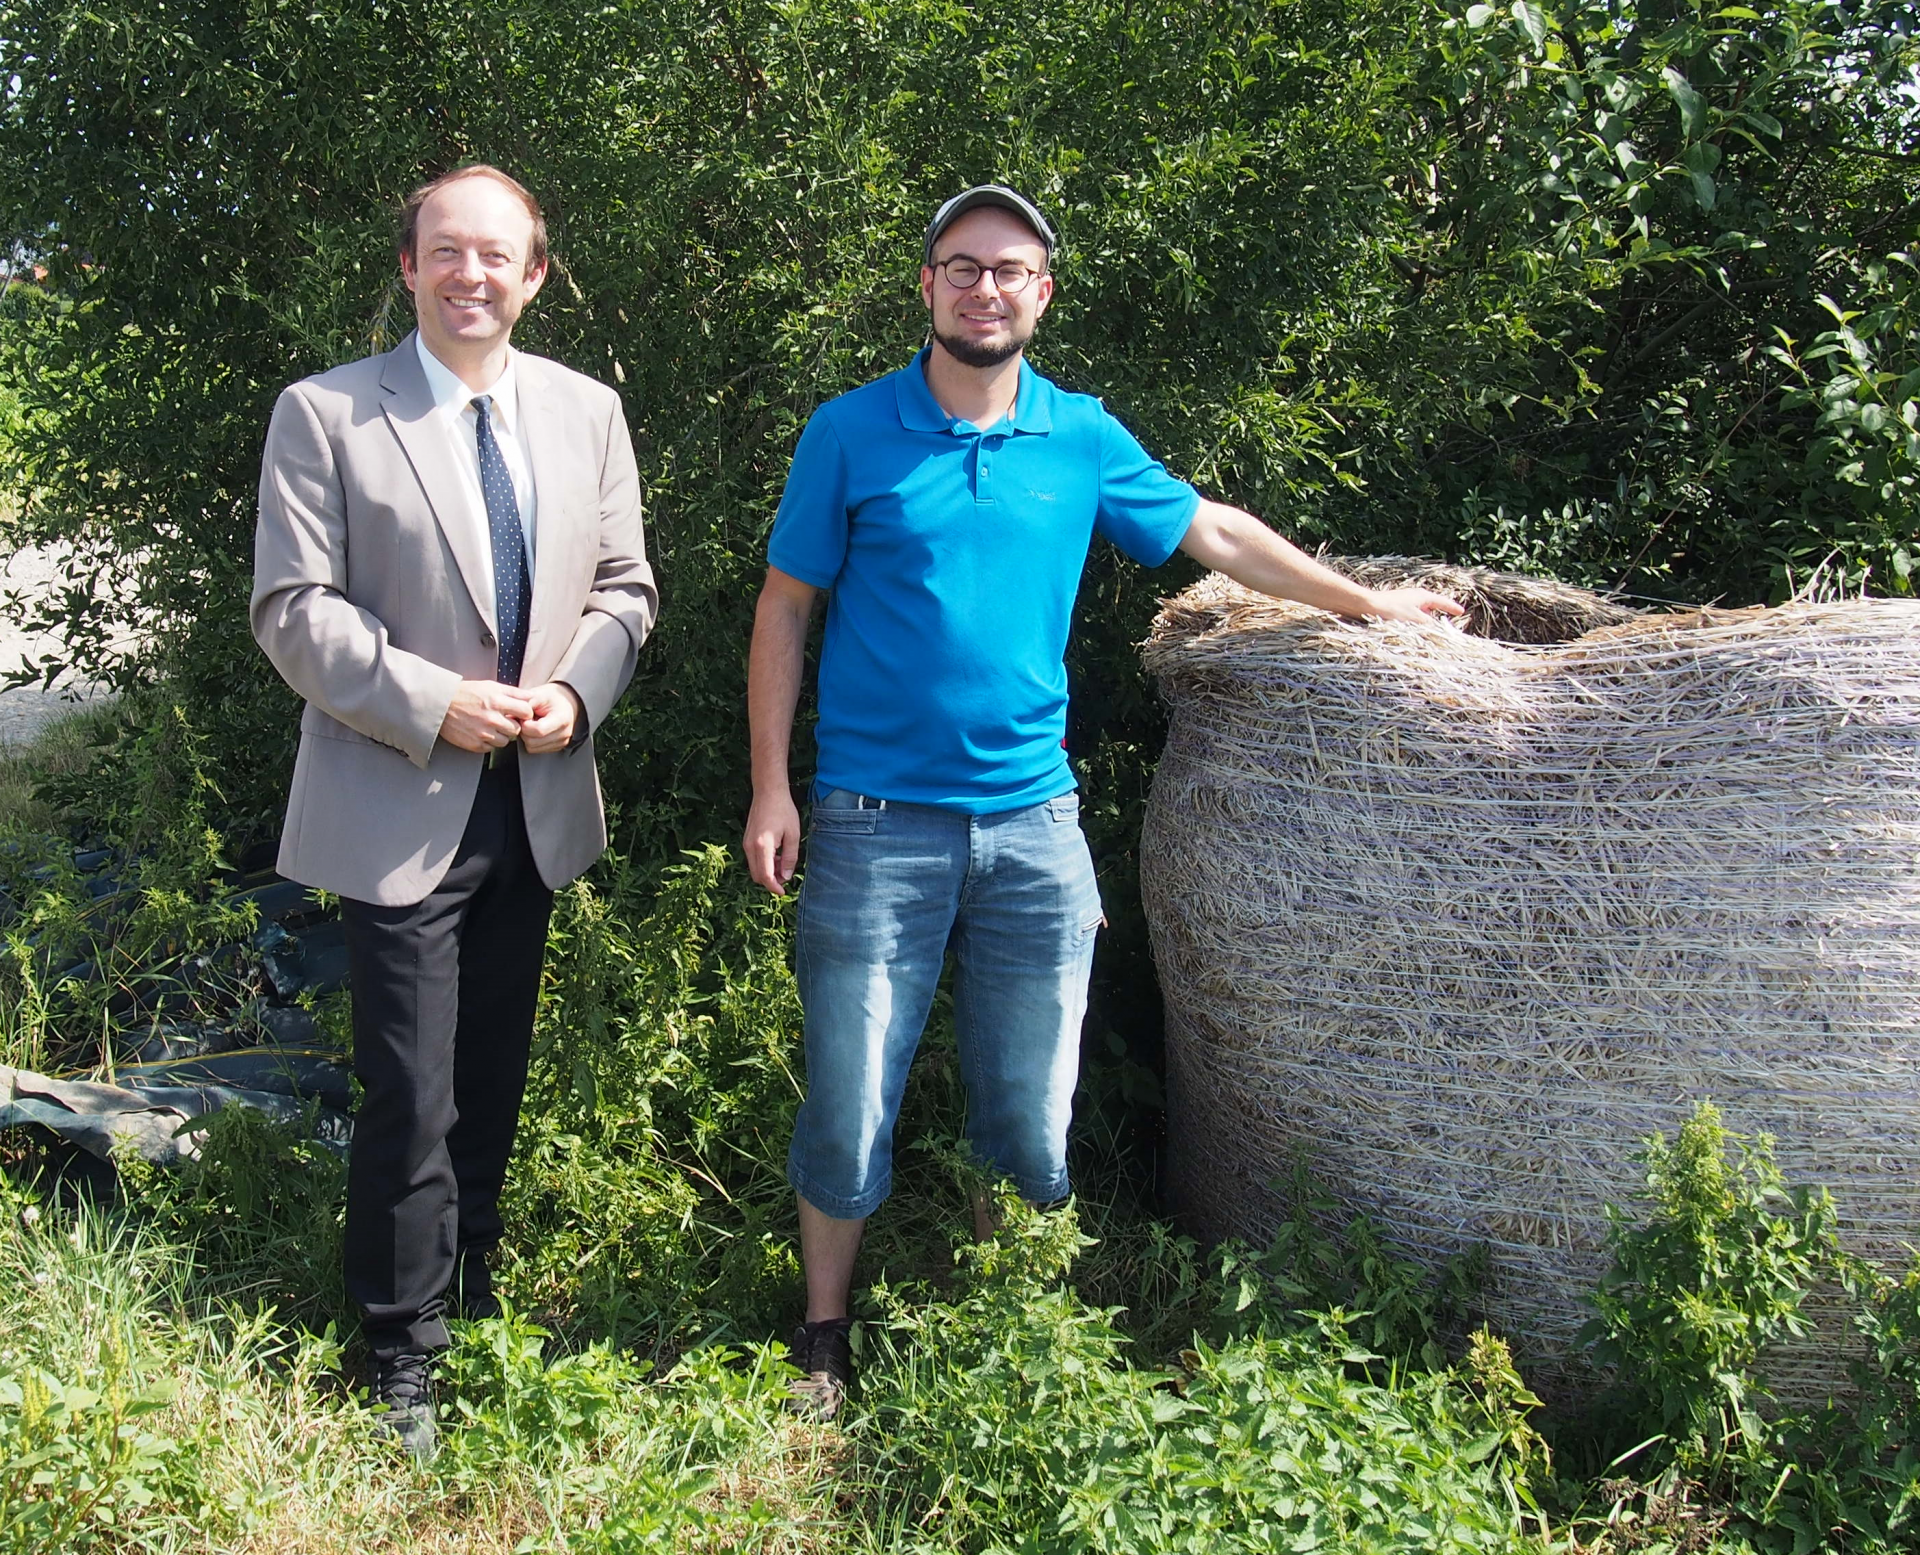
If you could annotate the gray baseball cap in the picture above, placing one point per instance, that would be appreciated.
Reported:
(988, 194)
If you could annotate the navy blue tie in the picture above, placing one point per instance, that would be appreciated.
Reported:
(512, 589)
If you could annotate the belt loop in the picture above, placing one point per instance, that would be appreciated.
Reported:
(861, 802)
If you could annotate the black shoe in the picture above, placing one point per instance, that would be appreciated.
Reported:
(824, 1351)
(402, 1400)
(471, 1294)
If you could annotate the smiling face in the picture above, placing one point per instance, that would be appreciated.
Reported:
(981, 325)
(469, 271)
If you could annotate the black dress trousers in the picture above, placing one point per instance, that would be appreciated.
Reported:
(443, 1000)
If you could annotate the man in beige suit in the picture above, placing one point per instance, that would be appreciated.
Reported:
(449, 568)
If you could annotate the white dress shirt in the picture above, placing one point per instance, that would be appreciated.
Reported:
(453, 407)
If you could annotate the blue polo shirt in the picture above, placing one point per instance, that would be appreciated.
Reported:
(952, 556)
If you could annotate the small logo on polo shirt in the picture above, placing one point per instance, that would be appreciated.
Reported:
(1040, 496)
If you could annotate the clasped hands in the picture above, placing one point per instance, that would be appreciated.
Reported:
(485, 715)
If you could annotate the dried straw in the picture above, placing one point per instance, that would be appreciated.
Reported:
(1465, 920)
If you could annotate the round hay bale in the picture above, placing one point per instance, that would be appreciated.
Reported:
(1463, 916)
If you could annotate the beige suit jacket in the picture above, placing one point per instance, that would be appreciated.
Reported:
(370, 597)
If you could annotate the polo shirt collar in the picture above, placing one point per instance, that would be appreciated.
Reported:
(921, 412)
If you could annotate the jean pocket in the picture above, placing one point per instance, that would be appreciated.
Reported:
(843, 814)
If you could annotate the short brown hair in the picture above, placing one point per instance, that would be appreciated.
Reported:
(410, 212)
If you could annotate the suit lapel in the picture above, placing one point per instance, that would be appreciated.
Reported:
(553, 535)
(409, 411)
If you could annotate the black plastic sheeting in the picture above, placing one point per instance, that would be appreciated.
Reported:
(165, 1076)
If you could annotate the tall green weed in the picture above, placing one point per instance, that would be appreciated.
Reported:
(261, 1205)
(1724, 1267)
(646, 1187)
(1721, 1270)
(1014, 1417)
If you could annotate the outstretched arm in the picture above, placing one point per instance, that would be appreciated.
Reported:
(1246, 550)
(773, 691)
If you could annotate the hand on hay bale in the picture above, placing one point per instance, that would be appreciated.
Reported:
(1236, 543)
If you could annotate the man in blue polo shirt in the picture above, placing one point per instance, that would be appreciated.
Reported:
(946, 511)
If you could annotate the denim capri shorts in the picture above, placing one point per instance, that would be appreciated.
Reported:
(889, 889)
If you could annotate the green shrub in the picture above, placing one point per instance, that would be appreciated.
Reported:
(1850, 1474)
(80, 968)
(1722, 1269)
(647, 1195)
(1014, 1420)
(1615, 291)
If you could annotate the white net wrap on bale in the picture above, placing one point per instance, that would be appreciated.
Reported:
(1463, 920)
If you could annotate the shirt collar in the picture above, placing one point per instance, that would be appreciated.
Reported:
(921, 412)
(451, 396)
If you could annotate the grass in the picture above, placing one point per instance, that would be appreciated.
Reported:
(1010, 1410)
(178, 1373)
(62, 747)
(263, 1451)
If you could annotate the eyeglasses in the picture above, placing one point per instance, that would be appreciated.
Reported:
(1011, 276)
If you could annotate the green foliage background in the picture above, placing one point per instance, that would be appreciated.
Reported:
(1623, 292)
(1618, 291)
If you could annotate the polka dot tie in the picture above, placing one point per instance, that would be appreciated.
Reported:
(512, 589)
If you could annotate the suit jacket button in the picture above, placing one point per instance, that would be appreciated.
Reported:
(486, 638)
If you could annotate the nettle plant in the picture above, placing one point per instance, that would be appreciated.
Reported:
(1015, 1418)
(1723, 1268)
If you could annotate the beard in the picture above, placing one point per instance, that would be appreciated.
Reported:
(979, 353)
